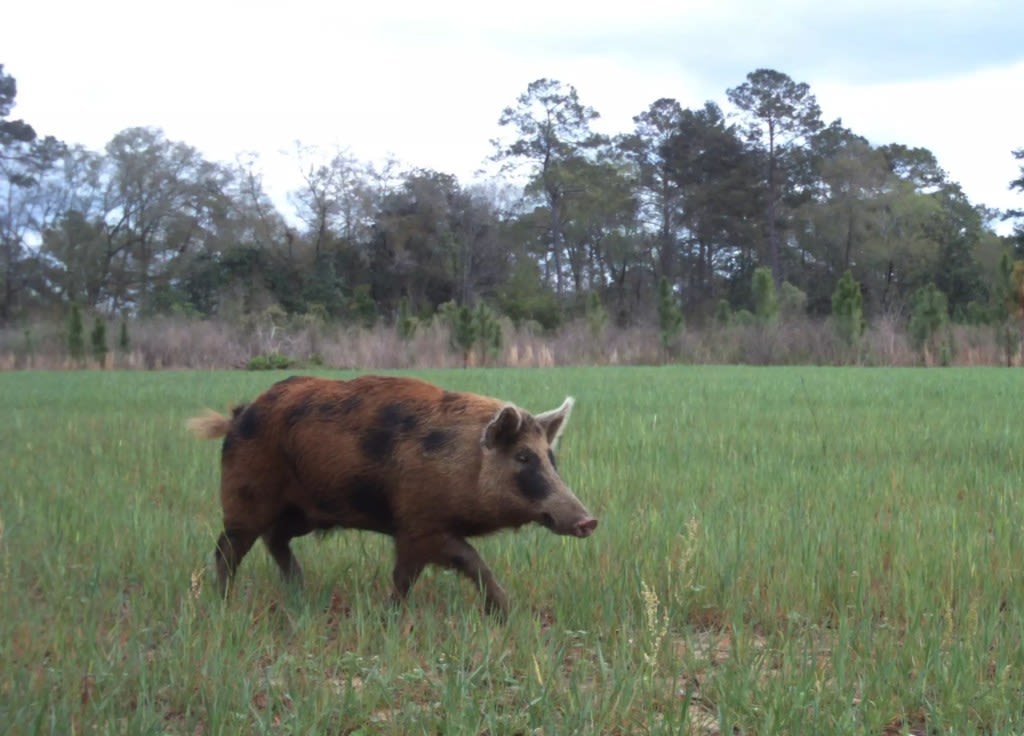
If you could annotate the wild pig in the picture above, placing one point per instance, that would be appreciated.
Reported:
(393, 455)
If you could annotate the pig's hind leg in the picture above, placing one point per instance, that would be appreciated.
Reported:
(232, 546)
(291, 523)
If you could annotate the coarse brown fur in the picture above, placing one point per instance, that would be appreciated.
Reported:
(392, 455)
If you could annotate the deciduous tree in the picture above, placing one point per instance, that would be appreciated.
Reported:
(25, 210)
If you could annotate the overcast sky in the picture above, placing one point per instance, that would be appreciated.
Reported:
(427, 81)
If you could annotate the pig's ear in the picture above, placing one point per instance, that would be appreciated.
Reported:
(503, 429)
(553, 422)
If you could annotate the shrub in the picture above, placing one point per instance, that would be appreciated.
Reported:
(361, 306)
(745, 318)
(792, 301)
(270, 362)
(723, 312)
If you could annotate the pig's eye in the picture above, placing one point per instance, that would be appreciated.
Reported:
(523, 456)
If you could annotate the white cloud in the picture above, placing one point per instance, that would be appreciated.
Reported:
(427, 81)
(970, 122)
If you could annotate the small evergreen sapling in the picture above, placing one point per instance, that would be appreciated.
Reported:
(488, 332)
(123, 343)
(98, 339)
(1008, 305)
(670, 316)
(76, 335)
(766, 305)
(597, 317)
(406, 323)
(847, 309)
(930, 314)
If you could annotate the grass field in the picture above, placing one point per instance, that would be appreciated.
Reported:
(781, 551)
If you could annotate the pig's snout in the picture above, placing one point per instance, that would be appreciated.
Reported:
(582, 528)
(585, 528)
(562, 513)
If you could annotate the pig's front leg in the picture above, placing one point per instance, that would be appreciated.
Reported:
(460, 555)
(414, 553)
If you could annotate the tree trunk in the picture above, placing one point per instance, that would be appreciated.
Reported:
(667, 252)
(773, 231)
(7, 306)
(556, 238)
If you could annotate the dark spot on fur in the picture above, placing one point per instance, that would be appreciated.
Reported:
(459, 562)
(551, 458)
(368, 497)
(248, 423)
(237, 410)
(350, 403)
(337, 410)
(246, 494)
(378, 443)
(392, 421)
(453, 402)
(397, 418)
(438, 440)
(299, 412)
(531, 480)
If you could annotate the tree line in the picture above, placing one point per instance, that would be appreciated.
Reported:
(679, 214)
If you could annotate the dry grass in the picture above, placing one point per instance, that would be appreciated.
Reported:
(168, 343)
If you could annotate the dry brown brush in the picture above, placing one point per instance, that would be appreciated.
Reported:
(165, 343)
